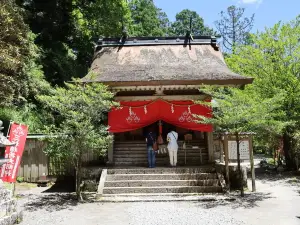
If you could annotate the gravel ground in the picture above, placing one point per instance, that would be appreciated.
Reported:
(276, 202)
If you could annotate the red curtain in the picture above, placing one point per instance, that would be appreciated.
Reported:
(137, 114)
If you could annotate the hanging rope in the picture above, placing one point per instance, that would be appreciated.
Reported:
(172, 104)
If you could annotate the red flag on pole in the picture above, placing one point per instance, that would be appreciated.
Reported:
(17, 134)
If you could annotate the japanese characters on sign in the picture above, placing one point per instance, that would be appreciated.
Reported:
(18, 134)
(244, 150)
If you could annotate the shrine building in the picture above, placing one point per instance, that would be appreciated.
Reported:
(157, 81)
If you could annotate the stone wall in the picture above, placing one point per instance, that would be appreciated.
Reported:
(8, 208)
(233, 175)
(90, 178)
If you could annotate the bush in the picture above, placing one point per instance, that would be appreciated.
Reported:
(20, 179)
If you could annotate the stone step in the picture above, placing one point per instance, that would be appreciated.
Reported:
(131, 177)
(160, 164)
(162, 189)
(155, 171)
(158, 159)
(153, 183)
(165, 197)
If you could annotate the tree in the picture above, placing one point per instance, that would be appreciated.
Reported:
(66, 31)
(234, 28)
(182, 24)
(238, 111)
(274, 62)
(14, 50)
(148, 20)
(80, 112)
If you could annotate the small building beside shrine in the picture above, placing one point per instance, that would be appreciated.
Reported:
(157, 81)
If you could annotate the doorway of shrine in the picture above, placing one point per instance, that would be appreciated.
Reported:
(130, 147)
(140, 134)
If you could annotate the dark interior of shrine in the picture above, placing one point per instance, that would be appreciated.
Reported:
(139, 134)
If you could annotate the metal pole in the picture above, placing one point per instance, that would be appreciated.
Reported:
(10, 122)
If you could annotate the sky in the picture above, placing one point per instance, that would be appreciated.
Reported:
(267, 12)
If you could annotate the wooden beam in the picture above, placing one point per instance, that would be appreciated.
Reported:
(153, 88)
(165, 97)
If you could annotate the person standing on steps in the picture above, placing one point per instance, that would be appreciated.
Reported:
(150, 140)
(172, 138)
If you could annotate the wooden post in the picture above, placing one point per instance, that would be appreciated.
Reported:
(225, 147)
(241, 180)
(252, 163)
(210, 143)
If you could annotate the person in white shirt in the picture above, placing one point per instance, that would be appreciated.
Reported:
(172, 138)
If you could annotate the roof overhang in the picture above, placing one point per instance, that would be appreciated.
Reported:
(231, 82)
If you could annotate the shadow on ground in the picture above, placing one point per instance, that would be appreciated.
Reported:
(52, 202)
(288, 177)
(248, 201)
(62, 184)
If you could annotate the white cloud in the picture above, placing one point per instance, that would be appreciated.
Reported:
(251, 1)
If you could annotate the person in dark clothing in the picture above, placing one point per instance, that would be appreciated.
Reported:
(150, 140)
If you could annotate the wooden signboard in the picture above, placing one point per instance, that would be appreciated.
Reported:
(244, 150)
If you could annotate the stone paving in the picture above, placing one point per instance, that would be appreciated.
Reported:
(276, 202)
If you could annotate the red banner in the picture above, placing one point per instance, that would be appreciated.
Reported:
(137, 114)
(17, 135)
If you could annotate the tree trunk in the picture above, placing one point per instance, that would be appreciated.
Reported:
(237, 138)
(78, 177)
(287, 148)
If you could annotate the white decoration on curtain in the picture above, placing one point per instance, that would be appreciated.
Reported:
(145, 109)
(172, 108)
(189, 108)
(130, 111)
(185, 117)
(133, 118)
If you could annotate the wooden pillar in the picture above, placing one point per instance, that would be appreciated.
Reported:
(210, 145)
(225, 147)
(252, 163)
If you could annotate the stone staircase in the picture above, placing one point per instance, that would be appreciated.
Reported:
(134, 153)
(158, 181)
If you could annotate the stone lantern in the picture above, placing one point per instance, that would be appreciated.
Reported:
(4, 142)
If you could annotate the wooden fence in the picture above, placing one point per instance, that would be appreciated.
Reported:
(36, 163)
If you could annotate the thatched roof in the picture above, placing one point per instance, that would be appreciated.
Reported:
(161, 61)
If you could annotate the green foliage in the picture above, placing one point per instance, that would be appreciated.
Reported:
(80, 111)
(20, 179)
(237, 111)
(234, 28)
(274, 61)
(21, 77)
(13, 52)
(51, 21)
(27, 114)
(92, 20)
(148, 20)
(182, 24)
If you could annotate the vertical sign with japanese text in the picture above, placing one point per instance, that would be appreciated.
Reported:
(17, 135)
